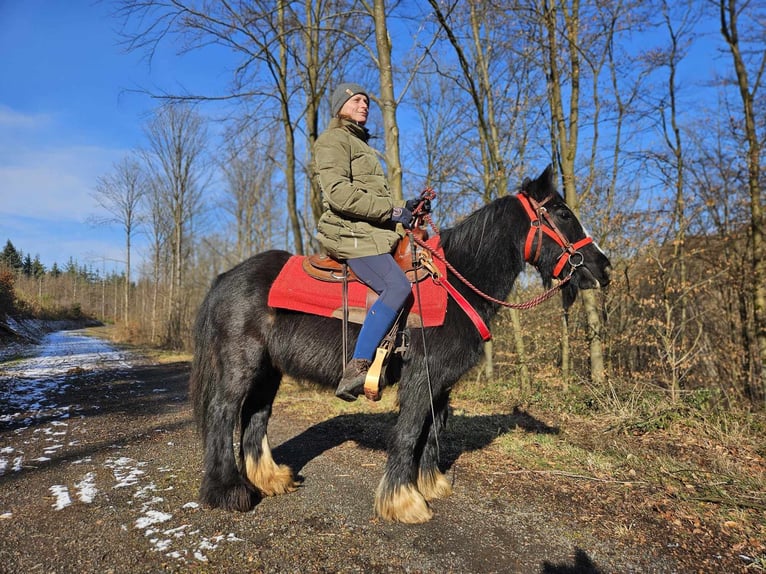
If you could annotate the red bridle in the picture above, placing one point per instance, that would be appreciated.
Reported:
(540, 221)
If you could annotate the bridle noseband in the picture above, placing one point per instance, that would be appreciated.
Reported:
(540, 221)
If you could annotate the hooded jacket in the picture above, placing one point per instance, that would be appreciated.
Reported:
(357, 201)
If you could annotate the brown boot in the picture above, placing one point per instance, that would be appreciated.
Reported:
(352, 383)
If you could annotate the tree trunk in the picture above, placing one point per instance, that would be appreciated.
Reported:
(729, 28)
(387, 100)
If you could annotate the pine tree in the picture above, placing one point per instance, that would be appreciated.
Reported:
(11, 257)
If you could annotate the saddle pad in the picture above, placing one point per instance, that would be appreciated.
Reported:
(293, 289)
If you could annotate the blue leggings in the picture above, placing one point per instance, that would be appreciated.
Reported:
(381, 274)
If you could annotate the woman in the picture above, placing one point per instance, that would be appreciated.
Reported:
(359, 223)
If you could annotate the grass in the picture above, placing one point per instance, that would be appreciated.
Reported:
(691, 467)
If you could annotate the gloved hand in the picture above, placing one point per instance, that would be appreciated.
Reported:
(402, 215)
(424, 208)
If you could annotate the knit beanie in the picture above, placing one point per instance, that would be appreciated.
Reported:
(343, 93)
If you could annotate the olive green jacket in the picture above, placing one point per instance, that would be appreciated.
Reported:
(357, 202)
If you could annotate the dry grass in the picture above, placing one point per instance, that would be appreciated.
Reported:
(698, 464)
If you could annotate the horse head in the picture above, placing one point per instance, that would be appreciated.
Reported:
(557, 244)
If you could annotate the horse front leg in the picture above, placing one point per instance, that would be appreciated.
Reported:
(432, 483)
(269, 477)
(398, 498)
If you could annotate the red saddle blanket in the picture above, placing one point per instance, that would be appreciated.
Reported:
(293, 289)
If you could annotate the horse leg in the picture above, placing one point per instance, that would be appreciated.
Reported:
(269, 477)
(432, 483)
(222, 484)
(398, 498)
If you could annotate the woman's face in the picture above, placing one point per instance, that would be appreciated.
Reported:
(356, 108)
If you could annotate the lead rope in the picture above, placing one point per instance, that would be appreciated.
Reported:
(415, 266)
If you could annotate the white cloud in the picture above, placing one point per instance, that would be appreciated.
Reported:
(47, 177)
(12, 119)
(53, 182)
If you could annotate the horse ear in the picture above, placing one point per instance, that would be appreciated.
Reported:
(525, 184)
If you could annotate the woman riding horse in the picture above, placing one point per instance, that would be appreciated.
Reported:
(359, 223)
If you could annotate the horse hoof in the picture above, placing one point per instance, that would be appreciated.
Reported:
(269, 478)
(239, 497)
(434, 485)
(402, 504)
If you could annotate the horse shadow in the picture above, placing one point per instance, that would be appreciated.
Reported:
(370, 431)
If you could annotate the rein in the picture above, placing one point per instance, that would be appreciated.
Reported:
(540, 222)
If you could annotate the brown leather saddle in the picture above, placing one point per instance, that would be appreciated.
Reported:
(326, 268)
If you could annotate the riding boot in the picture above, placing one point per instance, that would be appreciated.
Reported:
(352, 383)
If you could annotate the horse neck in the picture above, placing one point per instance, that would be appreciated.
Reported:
(487, 247)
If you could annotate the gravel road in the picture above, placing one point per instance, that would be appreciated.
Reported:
(100, 465)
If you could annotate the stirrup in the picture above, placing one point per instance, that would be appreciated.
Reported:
(372, 380)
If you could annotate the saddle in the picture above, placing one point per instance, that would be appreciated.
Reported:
(326, 268)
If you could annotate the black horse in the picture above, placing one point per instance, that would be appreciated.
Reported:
(243, 347)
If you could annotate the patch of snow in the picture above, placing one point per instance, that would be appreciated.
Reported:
(126, 471)
(86, 488)
(61, 493)
(152, 517)
(29, 385)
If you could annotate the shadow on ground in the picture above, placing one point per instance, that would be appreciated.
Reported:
(371, 431)
(582, 565)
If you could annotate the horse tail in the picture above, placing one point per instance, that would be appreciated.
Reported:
(205, 369)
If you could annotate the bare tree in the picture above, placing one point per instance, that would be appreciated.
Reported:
(749, 68)
(177, 140)
(678, 331)
(386, 99)
(158, 230)
(565, 43)
(491, 71)
(121, 192)
(250, 196)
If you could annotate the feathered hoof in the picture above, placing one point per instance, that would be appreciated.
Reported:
(401, 504)
(239, 497)
(270, 478)
(434, 485)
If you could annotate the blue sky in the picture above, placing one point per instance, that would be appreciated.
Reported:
(68, 112)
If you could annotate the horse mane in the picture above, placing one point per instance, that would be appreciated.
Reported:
(487, 246)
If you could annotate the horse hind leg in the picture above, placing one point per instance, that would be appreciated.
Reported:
(260, 468)
(222, 484)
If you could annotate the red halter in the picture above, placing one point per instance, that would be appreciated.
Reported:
(541, 222)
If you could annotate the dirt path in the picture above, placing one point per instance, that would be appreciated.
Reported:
(99, 468)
